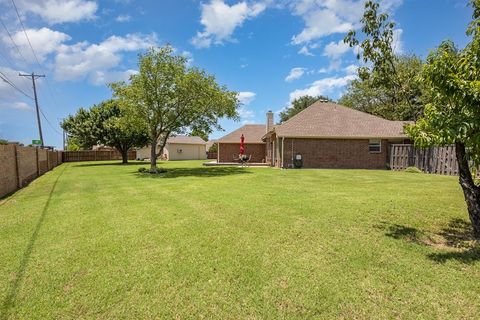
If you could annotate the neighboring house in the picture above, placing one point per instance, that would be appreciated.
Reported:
(179, 148)
(324, 135)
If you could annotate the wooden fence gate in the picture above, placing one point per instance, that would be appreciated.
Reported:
(439, 160)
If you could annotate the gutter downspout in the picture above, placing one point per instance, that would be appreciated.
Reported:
(283, 139)
(273, 153)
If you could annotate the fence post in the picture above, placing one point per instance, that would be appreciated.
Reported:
(17, 170)
(38, 165)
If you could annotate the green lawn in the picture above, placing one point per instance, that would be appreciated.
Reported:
(98, 240)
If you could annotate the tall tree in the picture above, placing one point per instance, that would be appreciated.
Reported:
(369, 96)
(452, 116)
(105, 124)
(168, 97)
(300, 104)
(198, 133)
(392, 82)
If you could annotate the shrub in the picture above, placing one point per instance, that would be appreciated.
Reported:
(142, 170)
(413, 170)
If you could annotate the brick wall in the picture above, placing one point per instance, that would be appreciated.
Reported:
(335, 153)
(8, 171)
(227, 151)
(27, 164)
(20, 165)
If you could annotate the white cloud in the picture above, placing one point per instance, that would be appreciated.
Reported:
(322, 87)
(220, 21)
(18, 105)
(246, 115)
(103, 77)
(335, 65)
(11, 98)
(123, 18)
(336, 49)
(246, 97)
(326, 17)
(44, 41)
(295, 73)
(60, 11)
(320, 23)
(351, 69)
(83, 59)
(397, 43)
(304, 50)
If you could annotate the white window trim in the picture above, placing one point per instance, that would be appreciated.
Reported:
(375, 142)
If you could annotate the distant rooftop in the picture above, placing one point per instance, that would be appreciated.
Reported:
(253, 133)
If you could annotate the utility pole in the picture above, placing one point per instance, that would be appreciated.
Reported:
(33, 76)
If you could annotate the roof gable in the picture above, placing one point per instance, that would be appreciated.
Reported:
(253, 133)
(186, 140)
(330, 120)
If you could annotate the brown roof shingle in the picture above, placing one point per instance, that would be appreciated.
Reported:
(253, 133)
(330, 120)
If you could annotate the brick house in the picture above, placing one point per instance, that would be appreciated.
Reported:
(229, 145)
(324, 135)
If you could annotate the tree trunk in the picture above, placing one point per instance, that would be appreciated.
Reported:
(470, 190)
(124, 156)
(153, 155)
(124, 152)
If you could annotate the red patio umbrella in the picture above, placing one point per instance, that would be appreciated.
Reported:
(242, 145)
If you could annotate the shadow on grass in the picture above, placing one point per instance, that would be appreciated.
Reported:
(12, 292)
(194, 172)
(105, 163)
(456, 237)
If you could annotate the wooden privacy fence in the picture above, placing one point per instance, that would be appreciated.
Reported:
(439, 160)
(75, 156)
(21, 165)
(211, 155)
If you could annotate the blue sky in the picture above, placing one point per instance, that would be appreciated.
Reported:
(269, 51)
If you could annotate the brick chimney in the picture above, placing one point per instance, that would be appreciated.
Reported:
(269, 120)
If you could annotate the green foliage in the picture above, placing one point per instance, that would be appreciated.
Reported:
(168, 97)
(3, 142)
(300, 104)
(413, 170)
(198, 133)
(391, 87)
(452, 79)
(72, 144)
(213, 148)
(106, 124)
(368, 96)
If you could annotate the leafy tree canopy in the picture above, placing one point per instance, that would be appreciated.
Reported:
(106, 124)
(389, 85)
(169, 97)
(452, 116)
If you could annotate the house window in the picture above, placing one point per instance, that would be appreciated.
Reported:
(375, 146)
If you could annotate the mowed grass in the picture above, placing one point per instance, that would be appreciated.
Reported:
(98, 240)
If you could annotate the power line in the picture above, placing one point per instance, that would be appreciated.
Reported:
(13, 41)
(26, 35)
(49, 123)
(8, 81)
(34, 54)
(12, 66)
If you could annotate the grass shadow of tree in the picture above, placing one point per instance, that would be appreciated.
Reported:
(105, 163)
(12, 292)
(206, 172)
(455, 240)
